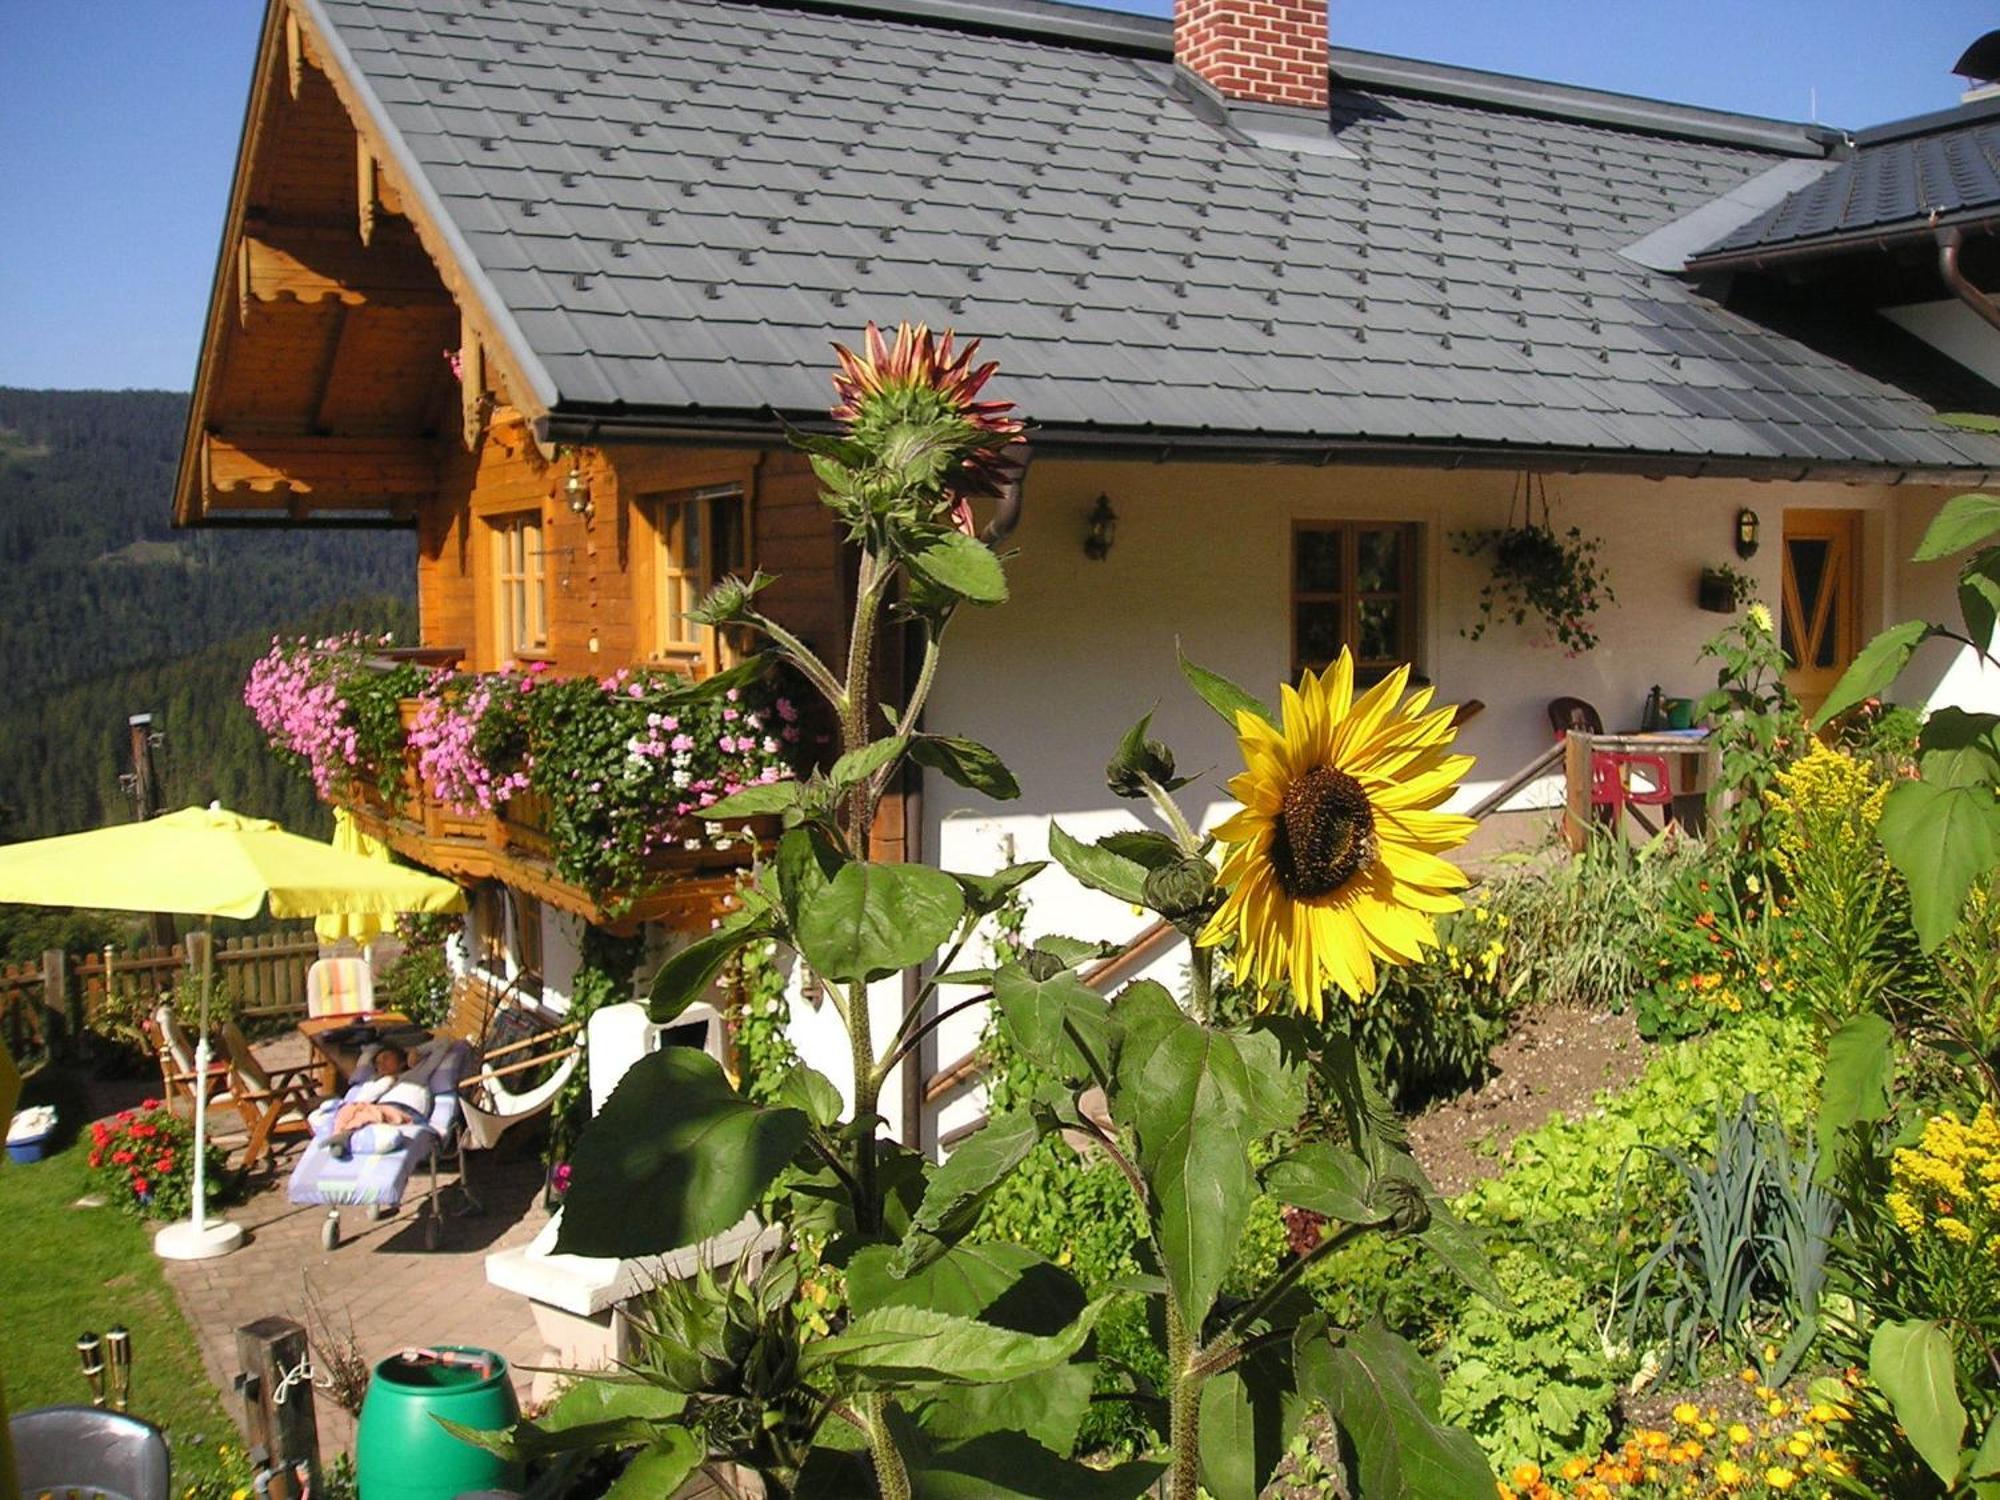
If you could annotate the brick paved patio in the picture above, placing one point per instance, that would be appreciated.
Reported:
(381, 1278)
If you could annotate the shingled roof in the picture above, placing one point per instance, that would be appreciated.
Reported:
(681, 203)
(1942, 168)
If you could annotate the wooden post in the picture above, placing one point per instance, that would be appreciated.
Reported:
(56, 1028)
(145, 804)
(1576, 790)
(278, 1395)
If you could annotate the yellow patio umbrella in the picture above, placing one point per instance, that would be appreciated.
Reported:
(362, 926)
(209, 863)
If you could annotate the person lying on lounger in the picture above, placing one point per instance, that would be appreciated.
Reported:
(386, 1099)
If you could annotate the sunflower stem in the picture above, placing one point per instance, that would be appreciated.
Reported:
(1201, 981)
(1184, 1410)
(1184, 833)
(890, 1475)
(802, 656)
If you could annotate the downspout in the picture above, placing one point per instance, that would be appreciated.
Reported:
(1950, 240)
(1006, 516)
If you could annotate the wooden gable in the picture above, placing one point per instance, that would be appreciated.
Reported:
(326, 389)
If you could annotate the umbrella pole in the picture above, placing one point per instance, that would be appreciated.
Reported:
(198, 1239)
(201, 1060)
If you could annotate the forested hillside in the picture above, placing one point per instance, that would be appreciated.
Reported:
(106, 611)
(96, 578)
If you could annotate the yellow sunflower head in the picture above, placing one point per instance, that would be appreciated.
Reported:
(1333, 864)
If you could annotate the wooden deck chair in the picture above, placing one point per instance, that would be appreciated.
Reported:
(339, 987)
(177, 1073)
(281, 1099)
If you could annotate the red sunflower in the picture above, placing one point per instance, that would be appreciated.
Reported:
(922, 379)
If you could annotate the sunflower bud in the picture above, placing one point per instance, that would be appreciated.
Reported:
(1409, 1209)
(1182, 892)
(729, 600)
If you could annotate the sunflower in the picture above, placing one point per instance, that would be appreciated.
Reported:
(922, 381)
(1333, 864)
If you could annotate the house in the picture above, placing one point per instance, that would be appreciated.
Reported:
(539, 278)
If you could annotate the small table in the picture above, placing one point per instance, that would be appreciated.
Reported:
(337, 1042)
(1685, 749)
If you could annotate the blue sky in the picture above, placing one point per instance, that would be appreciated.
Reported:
(120, 120)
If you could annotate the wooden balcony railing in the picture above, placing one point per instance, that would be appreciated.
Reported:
(686, 888)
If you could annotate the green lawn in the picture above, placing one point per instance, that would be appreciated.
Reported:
(64, 1270)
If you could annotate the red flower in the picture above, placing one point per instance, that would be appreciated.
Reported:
(96, 1159)
(923, 376)
(149, 1104)
(122, 1157)
(140, 1185)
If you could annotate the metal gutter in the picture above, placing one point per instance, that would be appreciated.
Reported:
(1876, 237)
(763, 430)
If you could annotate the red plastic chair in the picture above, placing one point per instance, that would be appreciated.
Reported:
(1611, 785)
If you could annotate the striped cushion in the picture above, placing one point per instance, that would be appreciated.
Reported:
(339, 987)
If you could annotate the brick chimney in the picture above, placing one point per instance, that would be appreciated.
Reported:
(1259, 51)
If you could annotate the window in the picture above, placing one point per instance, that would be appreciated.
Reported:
(507, 937)
(521, 583)
(489, 930)
(526, 948)
(1354, 584)
(703, 536)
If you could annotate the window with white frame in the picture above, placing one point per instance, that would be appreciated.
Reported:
(703, 536)
(520, 584)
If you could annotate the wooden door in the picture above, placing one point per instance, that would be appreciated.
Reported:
(1821, 626)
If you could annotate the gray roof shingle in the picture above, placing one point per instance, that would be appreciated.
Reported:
(1946, 164)
(682, 203)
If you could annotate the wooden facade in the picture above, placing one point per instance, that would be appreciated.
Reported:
(350, 371)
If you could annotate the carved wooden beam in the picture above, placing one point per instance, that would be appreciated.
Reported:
(295, 53)
(267, 471)
(317, 263)
(475, 402)
(368, 186)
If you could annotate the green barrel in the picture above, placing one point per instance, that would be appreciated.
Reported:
(402, 1454)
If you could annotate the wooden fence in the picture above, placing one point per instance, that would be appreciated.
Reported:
(40, 1004)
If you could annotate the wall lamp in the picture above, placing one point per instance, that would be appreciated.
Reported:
(1746, 533)
(576, 491)
(1103, 530)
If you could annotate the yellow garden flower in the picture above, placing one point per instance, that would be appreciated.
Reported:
(1334, 863)
(1780, 1478)
(1738, 1434)
(1729, 1474)
(1759, 614)
(1687, 1414)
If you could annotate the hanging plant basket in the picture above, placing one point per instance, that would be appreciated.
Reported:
(1554, 577)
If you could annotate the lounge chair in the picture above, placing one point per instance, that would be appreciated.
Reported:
(383, 1158)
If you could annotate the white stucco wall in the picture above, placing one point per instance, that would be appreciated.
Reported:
(1202, 554)
(1954, 330)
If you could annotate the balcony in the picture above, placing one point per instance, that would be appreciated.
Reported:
(686, 889)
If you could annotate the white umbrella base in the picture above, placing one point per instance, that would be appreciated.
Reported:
(186, 1240)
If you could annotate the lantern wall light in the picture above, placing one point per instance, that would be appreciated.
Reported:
(1746, 533)
(1103, 530)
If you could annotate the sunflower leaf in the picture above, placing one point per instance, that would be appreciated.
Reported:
(1222, 695)
(1099, 868)
(1196, 1098)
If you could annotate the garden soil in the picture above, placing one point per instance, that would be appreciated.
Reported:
(1556, 1058)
